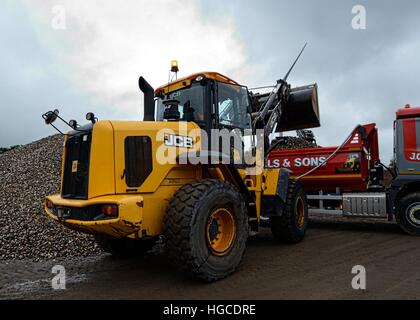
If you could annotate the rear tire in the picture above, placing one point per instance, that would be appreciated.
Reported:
(206, 229)
(124, 247)
(291, 226)
(408, 214)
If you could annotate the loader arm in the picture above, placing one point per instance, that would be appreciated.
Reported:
(286, 109)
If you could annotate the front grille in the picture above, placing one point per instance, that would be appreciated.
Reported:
(138, 160)
(76, 166)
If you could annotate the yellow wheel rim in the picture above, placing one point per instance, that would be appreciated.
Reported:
(221, 231)
(300, 212)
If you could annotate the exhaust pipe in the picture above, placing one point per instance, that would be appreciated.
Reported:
(149, 99)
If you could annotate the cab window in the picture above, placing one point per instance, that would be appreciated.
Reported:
(191, 102)
(233, 106)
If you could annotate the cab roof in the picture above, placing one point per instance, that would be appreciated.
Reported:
(408, 112)
(186, 81)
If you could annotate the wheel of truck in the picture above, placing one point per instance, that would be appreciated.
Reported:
(206, 229)
(124, 247)
(408, 214)
(291, 226)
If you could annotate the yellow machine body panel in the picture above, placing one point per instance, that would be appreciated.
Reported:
(142, 206)
(163, 157)
(102, 174)
(271, 182)
(142, 209)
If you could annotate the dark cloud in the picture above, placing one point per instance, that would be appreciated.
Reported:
(363, 76)
(32, 81)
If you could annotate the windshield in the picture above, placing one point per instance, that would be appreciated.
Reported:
(191, 102)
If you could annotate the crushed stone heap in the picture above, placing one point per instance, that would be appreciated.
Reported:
(27, 174)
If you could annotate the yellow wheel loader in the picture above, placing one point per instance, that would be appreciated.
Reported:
(130, 183)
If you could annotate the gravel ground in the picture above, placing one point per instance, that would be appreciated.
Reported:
(27, 175)
(317, 268)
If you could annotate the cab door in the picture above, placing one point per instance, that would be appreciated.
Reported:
(233, 118)
(407, 146)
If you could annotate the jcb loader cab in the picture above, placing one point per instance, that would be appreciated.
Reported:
(132, 182)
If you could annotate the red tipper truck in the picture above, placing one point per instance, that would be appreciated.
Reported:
(348, 180)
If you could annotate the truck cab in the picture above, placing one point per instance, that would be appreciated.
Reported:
(404, 192)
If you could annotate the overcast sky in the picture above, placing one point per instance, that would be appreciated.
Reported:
(94, 63)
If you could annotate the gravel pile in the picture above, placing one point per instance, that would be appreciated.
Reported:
(291, 143)
(27, 175)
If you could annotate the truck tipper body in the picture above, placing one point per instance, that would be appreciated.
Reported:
(349, 180)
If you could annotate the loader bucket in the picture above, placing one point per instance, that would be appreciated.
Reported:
(301, 111)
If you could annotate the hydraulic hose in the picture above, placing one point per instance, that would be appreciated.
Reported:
(330, 156)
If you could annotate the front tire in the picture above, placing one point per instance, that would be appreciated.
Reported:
(291, 226)
(408, 214)
(206, 229)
